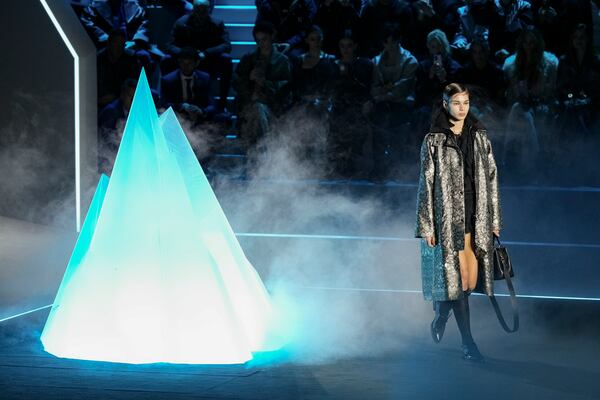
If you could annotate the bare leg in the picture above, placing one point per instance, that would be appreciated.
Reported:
(471, 262)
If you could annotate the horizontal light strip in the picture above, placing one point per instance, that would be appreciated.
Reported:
(399, 239)
(237, 25)
(348, 182)
(25, 313)
(231, 155)
(235, 7)
(335, 237)
(244, 43)
(526, 296)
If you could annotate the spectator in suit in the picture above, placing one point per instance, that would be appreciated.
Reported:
(102, 17)
(208, 36)
(261, 81)
(115, 64)
(187, 89)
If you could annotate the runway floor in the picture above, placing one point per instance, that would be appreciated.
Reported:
(368, 324)
(554, 356)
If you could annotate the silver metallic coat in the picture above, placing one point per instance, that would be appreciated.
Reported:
(441, 213)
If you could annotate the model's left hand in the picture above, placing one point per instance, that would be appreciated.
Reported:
(496, 232)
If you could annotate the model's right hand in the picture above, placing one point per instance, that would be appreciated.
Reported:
(430, 241)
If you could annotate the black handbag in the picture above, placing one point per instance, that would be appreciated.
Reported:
(503, 270)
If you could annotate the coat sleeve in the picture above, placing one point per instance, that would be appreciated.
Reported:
(496, 213)
(425, 217)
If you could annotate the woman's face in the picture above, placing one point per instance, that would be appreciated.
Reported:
(314, 41)
(434, 46)
(458, 106)
(347, 47)
(390, 44)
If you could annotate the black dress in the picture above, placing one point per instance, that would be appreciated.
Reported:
(465, 142)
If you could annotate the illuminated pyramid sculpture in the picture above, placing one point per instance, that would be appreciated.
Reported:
(157, 274)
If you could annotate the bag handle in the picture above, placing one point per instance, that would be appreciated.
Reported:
(513, 302)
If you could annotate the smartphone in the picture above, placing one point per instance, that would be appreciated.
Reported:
(437, 60)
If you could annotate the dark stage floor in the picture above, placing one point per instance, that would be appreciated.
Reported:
(364, 332)
(554, 356)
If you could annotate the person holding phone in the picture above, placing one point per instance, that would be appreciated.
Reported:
(433, 74)
(458, 213)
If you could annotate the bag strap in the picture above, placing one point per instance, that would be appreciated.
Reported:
(513, 302)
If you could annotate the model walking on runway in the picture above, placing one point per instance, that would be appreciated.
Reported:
(458, 212)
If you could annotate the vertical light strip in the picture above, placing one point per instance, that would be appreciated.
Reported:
(77, 112)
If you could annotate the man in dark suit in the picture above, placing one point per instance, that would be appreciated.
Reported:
(187, 90)
(200, 31)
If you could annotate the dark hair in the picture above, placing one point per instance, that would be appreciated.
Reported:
(452, 89)
(529, 71)
(187, 53)
(440, 118)
(314, 29)
(263, 27)
(391, 30)
(589, 48)
(348, 34)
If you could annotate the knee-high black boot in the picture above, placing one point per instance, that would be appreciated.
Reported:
(438, 325)
(463, 320)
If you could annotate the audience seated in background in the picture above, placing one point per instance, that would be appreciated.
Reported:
(361, 111)
(334, 17)
(531, 95)
(475, 19)
(556, 19)
(115, 64)
(102, 17)
(513, 17)
(578, 86)
(208, 36)
(261, 81)
(374, 15)
(350, 129)
(436, 71)
(313, 71)
(290, 19)
(393, 95)
(187, 89)
(422, 21)
(484, 77)
(312, 77)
